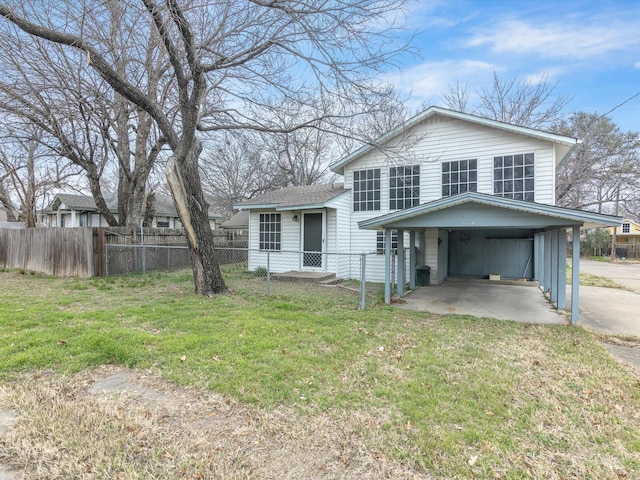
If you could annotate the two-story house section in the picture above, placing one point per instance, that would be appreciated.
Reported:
(465, 195)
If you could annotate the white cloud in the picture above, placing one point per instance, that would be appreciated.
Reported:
(427, 81)
(559, 40)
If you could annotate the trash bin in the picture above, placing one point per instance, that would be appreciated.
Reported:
(423, 275)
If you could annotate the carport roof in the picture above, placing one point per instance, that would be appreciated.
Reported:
(479, 210)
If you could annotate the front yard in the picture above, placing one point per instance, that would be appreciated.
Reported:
(299, 384)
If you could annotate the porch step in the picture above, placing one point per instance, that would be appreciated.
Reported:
(309, 277)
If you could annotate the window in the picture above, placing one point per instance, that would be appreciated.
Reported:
(83, 220)
(513, 177)
(380, 241)
(366, 190)
(459, 176)
(270, 231)
(162, 222)
(404, 187)
(626, 228)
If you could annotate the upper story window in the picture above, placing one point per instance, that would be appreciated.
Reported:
(270, 228)
(404, 187)
(626, 228)
(513, 176)
(366, 190)
(380, 241)
(459, 176)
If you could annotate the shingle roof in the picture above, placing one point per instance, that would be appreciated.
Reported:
(164, 206)
(77, 202)
(296, 196)
(238, 221)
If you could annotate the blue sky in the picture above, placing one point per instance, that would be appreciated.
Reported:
(590, 48)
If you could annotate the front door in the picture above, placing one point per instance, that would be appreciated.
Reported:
(312, 243)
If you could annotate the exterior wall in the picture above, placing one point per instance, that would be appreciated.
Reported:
(442, 140)
(435, 141)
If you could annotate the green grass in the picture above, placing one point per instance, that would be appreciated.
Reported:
(456, 386)
(590, 280)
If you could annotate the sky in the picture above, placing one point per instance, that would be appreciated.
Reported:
(589, 49)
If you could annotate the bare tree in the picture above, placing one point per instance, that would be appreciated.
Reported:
(232, 62)
(234, 169)
(603, 170)
(28, 173)
(81, 118)
(515, 101)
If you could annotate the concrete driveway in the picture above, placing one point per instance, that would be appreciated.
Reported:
(611, 310)
(521, 302)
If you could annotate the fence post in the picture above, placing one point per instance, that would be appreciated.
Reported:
(106, 259)
(363, 280)
(268, 273)
(144, 258)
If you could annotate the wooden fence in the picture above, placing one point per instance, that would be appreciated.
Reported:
(81, 252)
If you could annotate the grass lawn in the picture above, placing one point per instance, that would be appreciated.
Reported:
(299, 384)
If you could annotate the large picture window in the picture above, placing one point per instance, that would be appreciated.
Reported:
(459, 176)
(366, 190)
(380, 241)
(513, 176)
(404, 187)
(270, 231)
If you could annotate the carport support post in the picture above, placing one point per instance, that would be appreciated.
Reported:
(562, 269)
(423, 247)
(401, 263)
(387, 266)
(553, 294)
(575, 277)
(412, 260)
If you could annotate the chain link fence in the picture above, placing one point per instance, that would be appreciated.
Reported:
(264, 272)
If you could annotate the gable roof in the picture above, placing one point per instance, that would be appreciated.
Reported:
(306, 196)
(481, 210)
(568, 142)
(164, 206)
(239, 221)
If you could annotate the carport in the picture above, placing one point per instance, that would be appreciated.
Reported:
(476, 235)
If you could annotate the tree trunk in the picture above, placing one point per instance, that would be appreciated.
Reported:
(186, 188)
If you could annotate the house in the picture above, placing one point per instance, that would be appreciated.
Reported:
(469, 196)
(67, 210)
(627, 238)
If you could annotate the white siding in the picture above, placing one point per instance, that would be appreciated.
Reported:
(436, 142)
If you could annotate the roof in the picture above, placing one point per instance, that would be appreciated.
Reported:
(306, 196)
(480, 210)
(12, 225)
(238, 221)
(164, 206)
(77, 202)
(571, 142)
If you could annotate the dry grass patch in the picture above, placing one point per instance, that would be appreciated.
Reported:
(64, 432)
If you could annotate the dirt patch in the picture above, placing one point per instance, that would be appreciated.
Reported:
(114, 423)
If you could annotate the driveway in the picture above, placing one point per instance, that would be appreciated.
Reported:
(611, 310)
(521, 302)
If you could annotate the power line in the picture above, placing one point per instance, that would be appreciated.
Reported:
(618, 106)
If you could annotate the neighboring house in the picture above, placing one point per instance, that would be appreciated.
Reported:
(628, 238)
(474, 197)
(67, 210)
(238, 223)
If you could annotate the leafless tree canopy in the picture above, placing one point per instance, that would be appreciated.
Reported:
(231, 64)
(604, 168)
(515, 101)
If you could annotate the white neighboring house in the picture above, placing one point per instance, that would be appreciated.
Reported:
(473, 196)
(67, 210)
